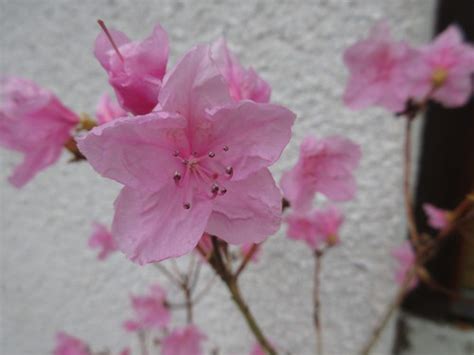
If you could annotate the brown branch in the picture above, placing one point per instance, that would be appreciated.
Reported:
(317, 302)
(231, 282)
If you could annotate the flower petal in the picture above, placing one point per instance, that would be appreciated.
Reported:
(153, 226)
(136, 151)
(249, 212)
(255, 134)
(194, 85)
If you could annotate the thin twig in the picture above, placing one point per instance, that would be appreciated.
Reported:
(167, 273)
(247, 259)
(231, 282)
(199, 296)
(317, 302)
(143, 343)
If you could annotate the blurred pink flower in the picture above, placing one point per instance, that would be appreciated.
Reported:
(406, 258)
(325, 166)
(246, 248)
(437, 218)
(184, 341)
(108, 110)
(197, 165)
(69, 345)
(137, 69)
(315, 228)
(257, 350)
(243, 83)
(103, 240)
(377, 66)
(447, 64)
(126, 351)
(34, 122)
(151, 311)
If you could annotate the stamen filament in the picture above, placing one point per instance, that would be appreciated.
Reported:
(111, 40)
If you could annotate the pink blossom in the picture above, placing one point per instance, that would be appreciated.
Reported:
(184, 341)
(377, 66)
(437, 218)
(103, 240)
(150, 311)
(126, 351)
(406, 258)
(315, 228)
(199, 164)
(243, 83)
(69, 345)
(325, 166)
(246, 248)
(447, 65)
(137, 69)
(34, 122)
(257, 350)
(108, 110)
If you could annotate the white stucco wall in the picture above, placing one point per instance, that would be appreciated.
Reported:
(50, 280)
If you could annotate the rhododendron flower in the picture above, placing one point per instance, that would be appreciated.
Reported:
(377, 66)
(184, 341)
(150, 311)
(446, 65)
(437, 217)
(69, 345)
(406, 258)
(108, 110)
(135, 69)
(199, 164)
(103, 240)
(315, 228)
(34, 122)
(243, 83)
(326, 166)
(257, 350)
(246, 248)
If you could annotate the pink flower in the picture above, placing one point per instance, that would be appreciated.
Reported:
(246, 248)
(324, 166)
(243, 83)
(103, 240)
(184, 341)
(437, 218)
(315, 228)
(197, 165)
(150, 311)
(126, 351)
(135, 69)
(447, 65)
(257, 350)
(406, 258)
(108, 110)
(34, 122)
(377, 66)
(68, 345)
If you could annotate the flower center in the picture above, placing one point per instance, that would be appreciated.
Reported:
(439, 76)
(203, 174)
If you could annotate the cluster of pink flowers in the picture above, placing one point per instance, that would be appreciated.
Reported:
(192, 147)
(388, 73)
(325, 166)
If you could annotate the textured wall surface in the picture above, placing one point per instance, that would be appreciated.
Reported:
(49, 278)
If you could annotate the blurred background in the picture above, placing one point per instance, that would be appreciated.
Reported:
(51, 280)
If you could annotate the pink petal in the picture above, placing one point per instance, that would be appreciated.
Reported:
(103, 49)
(150, 227)
(249, 212)
(437, 217)
(194, 86)
(136, 151)
(108, 110)
(184, 341)
(255, 134)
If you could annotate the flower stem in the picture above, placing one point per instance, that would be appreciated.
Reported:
(317, 302)
(231, 282)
